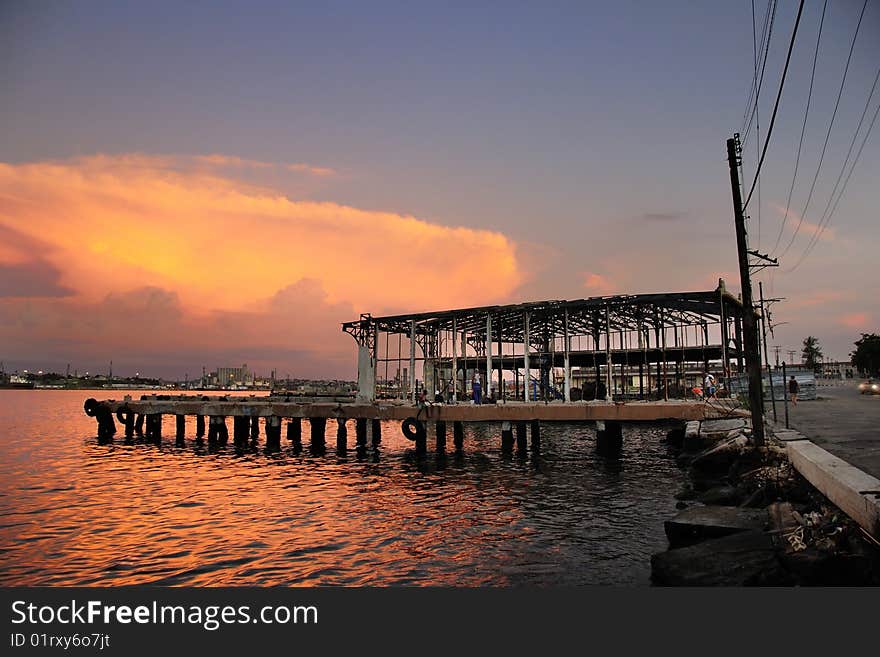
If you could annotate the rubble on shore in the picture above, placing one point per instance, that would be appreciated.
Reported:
(747, 517)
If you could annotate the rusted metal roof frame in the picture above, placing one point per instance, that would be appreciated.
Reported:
(546, 318)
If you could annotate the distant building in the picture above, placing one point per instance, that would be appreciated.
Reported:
(836, 370)
(231, 376)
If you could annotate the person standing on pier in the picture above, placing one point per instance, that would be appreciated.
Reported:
(793, 389)
(709, 386)
(476, 386)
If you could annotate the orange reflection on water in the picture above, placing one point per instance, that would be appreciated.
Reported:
(74, 512)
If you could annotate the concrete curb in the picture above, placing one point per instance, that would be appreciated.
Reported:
(856, 493)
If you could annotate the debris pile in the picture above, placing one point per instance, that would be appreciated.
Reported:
(747, 517)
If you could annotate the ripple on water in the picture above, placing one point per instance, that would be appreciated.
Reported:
(78, 513)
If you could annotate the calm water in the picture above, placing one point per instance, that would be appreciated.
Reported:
(73, 512)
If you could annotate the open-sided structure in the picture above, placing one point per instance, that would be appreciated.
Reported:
(627, 346)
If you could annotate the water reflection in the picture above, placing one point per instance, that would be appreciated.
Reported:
(75, 512)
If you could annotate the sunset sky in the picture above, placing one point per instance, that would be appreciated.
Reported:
(189, 184)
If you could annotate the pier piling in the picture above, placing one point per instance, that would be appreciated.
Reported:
(200, 426)
(377, 431)
(609, 437)
(506, 437)
(536, 435)
(180, 429)
(106, 425)
(128, 422)
(212, 430)
(458, 435)
(521, 444)
(421, 438)
(341, 436)
(240, 428)
(294, 433)
(440, 441)
(139, 425)
(255, 429)
(360, 431)
(126, 417)
(273, 434)
(154, 427)
(318, 427)
(222, 431)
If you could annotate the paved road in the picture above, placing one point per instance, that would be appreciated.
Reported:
(842, 421)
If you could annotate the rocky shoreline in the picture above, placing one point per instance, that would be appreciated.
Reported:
(747, 517)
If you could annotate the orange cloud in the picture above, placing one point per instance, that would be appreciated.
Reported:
(597, 284)
(856, 320)
(149, 329)
(806, 227)
(820, 297)
(152, 254)
(114, 224)
(245, 163)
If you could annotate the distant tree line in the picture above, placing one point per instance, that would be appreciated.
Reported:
(866, 356)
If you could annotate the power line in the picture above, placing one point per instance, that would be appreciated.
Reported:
(753, 89)
(776, 104)
(757, 85)
(855, 161)
(754, 44)
(849, 151)
(828, 134)
(803, 129)
(769, 19)
(816, 236)
(757, 104)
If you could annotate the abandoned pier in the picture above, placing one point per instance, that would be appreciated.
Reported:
(602, 360)
(276, 415)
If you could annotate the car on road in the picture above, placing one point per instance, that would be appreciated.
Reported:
(870, 387)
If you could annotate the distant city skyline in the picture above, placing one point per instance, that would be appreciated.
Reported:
(214, 185)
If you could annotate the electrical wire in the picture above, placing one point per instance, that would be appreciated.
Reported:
(752, 86)
(776, 104)
(797, 160)
(757, 118)
(855, 161)
(753, 89)
(758, 82)
(818, 233)
(765, 45)
(849, 151)
(827, 134)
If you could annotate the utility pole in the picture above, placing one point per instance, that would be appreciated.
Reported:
(791, 353)
(776, 348)
(766, 358)
(785, 394)
(750, 328)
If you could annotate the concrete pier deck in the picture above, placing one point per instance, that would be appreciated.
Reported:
(633, 411)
